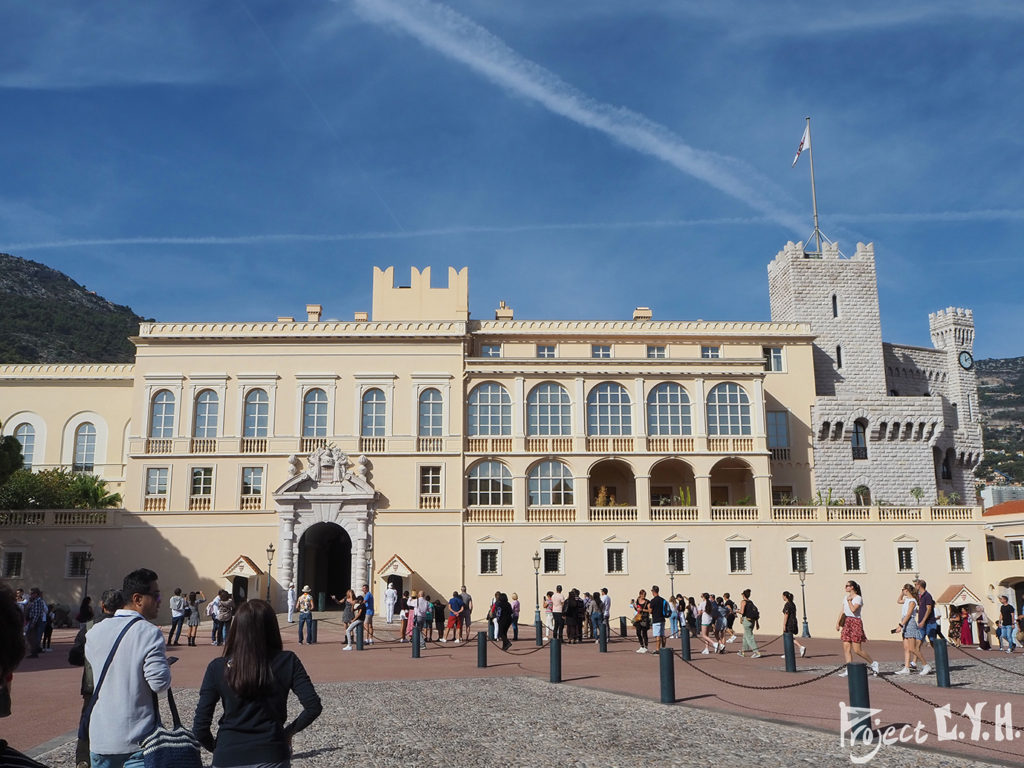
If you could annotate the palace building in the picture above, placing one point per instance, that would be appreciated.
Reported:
(417, 445)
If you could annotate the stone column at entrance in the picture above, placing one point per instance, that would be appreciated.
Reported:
(288, 551)
(359, 574)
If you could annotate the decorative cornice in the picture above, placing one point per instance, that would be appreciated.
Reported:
(639, 328)
(77, 371)
(293, 330)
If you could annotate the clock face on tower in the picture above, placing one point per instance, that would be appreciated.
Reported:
(966, 360)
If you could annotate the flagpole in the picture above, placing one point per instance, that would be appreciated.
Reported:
(814, 193)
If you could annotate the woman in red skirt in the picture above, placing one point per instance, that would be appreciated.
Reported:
(851, 628)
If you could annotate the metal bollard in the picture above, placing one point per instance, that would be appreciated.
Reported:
(622, 626)
(312, 630)
(790, 651)
(490, 630)
(941, 662)
(538, 628)
(859, 698)
(667, 660)
(602, 638)
(556, 661)
(416, 630)
(359, 636)
(481, 649)
(684, 639)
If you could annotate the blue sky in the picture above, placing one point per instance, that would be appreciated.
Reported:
(235, 160)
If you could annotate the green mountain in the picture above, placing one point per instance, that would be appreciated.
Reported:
(1001, 398)
(46, 317)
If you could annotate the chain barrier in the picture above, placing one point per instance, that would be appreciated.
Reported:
(932, 704)
(761, 687)
(986, 663)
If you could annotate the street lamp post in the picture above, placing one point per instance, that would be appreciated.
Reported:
(87, 566)
(270, 562)
(671, 577)
(802, 572)
(536, 594)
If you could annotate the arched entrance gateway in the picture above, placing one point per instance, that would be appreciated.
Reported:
(326, 513)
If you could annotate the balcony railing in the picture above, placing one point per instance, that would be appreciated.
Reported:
(429, 444)
(780, 454)
(200, 503)
(730, 444)
(859, 452)
(551, 514)
(158, 445)
(899, 513)
(489, 444)
(80, 517)
(372, 444)
(430, 501)
(253, 445)
(847, 514)
(794, 514)
(155, 503)
(202, 445)
(310, 444)
(21, 519)
(610, 444)
(734, 513)
(673, 514)
(952, 513)
(250, 502)
(613, 514)
(670, 444)
(489, 515)
(549, 445)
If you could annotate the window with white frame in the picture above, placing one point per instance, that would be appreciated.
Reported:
(161, 415)
(554, 560)
(373, 413)
(546, 351)
(430, 480)
(728, 409)
(600, 351)
(772, 359)
(314, 413)
(668, 410)
(84, 458)
(489, 411)
(677, 555)
(490, 485)
(257, 413)
(156, 481)
(76, 563)
(431, 423)
(853, 558)
(906, 558)
(26, 435)
(615, 558)
(550, 485)
(958, 558)
(548, 410)
(1016, 549)
(13, 566)
(739, 558)
(490, 350)
(710, 352)
(252, 481)
(608, 410)
(207, 411)
(777, 425)
(799, 558)
(202, 481)
(655, 352)
(490, 560)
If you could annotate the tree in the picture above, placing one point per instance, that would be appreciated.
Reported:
(55, 489)
(11, 459)
(917, 492)
(91, 493)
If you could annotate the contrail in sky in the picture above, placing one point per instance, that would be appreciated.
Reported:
(461, 39)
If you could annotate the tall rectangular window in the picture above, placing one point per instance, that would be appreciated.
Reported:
(798, 559)
(546, 350)
(616, 560)
(430, 480)
(772, 358)
(777, 423)
(552, 561)
(488, 561)
(709, 352)
(601, 351)
(852, 556)
(252, 481)
(156, 481)
(677, 557)
(957, 559)
(1017, 549)
(655, 352)
(76, 564)
(202, 481)
(738, 560)
(490, 350)
(13, 565)
(905, 559)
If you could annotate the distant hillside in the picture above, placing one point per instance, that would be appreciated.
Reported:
(1001, 397)
(46, 317)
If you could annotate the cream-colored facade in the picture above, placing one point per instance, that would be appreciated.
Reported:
(418, 445)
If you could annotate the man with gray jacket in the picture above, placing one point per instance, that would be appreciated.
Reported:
(124, 712)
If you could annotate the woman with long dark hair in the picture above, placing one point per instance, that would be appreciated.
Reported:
(851, 627)
(252, 680)
(789, 621)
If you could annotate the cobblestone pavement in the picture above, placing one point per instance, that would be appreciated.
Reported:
(498, 722)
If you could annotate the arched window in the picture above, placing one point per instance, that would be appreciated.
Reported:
(728, 410)
(314, 413)
(490, 485)
(668, 410)
(207, 411)
(608, 411)
(372, 420)
(26, 435)
(548, 410)
(257, 413)
(490, 410)
(550, 485)
(859, 439)
(161, 415)
(431, 413)
(84, 457)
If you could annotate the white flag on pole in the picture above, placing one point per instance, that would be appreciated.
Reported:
(805, 143)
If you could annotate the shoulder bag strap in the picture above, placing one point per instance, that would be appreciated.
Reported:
(99, 683)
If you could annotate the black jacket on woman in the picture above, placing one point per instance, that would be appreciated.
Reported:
(253, 731)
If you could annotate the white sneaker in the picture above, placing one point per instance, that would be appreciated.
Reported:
(925, 669)
(640, 649)
(782, 656)
(874, 667)
(716, 647)
(844, 673)
(913, 665)
(705, 651)
(731, 639)
(347, 648)
(643, 650)
(904, 671)
(803, 651)
(755, 655)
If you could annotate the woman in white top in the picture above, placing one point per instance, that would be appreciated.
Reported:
(851, 628)
(707, 620)
(909, 628)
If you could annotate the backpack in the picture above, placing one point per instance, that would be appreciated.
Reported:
(430, 611)
(186, 611)
(752, 613)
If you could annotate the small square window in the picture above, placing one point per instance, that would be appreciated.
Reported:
(958, 559)
(488, 561)
(77, 563)
(738, 560)
(710, 353)
(490, 350)
(655, 352)
(601, 351)
(13, 565)
(905, 559)
(772, 359)
(546, 351)
(853, 559)
(616, 560)
(552, 561)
